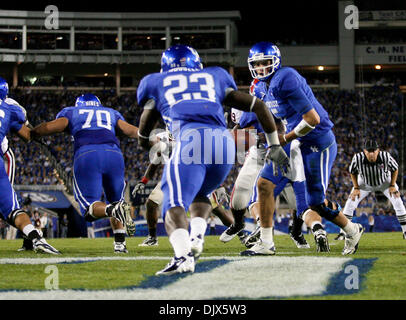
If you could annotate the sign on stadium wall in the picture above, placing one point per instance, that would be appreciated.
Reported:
(46, 198)
(384, 54)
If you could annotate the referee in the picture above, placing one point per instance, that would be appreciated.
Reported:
(375, 170)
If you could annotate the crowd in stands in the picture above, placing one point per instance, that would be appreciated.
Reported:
(370, 112)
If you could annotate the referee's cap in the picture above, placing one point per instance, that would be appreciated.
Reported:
(371, 145)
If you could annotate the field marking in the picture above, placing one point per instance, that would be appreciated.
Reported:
(276, 276)
(34, 261)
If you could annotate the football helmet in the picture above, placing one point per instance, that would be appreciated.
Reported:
(87, 100)
(3, 89)
(266, 52)
(180, 56)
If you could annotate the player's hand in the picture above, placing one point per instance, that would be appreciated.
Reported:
(355, 194)
(282, 140)
(393, 192)
(222, 195)
(139, 188)
(279, 159)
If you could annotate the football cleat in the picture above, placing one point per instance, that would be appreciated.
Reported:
(351, 243)
(179, 265)
(253, 237)
(122, 212)
(340, 236)
(242, 236)
(404, 235)
(260, 249)
(320, 236)
(120, 247)
(230, 233)
(299, 241)
(44, 246)
(27, 245)
(149, 242)
(197, 246)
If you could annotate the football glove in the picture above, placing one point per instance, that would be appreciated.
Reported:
(139, 187)
(222, 195)
(279, 159)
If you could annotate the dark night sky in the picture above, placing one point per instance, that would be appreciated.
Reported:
(260, 20)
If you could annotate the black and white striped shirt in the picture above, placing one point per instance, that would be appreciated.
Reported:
(373, 173)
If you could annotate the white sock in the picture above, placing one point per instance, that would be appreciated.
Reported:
(402, 220)
(198, 227)
(267, 235)
(28, 228)
(350, 229)
(119, 231)
(180, 242)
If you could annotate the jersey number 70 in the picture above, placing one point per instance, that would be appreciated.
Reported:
(183, 86)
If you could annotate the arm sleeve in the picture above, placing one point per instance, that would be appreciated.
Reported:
(392, 164)
(144, 91)
(17, 119)
(118, 116)
(226, 80)
(64, 113)
(247, 119)
(353, 169)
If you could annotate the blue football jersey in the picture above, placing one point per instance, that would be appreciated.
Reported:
(289, 97)
(12, 118)
(92, 125)
(188, 96)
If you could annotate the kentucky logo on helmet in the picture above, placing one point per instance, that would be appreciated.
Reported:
(87, 100)
(180, 56)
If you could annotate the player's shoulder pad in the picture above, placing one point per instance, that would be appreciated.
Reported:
(223, 74)
(285, 79)
(65, 111)
(145, 85)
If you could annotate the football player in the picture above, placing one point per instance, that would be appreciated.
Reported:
(245, 184)
(98, 163)
(156, 196)
(13, 119)
(8, 154)
(291, 99)
(205, 151)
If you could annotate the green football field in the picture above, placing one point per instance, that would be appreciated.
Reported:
(376, 271)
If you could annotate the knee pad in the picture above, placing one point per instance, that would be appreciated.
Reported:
(13, 215)
(326, 211)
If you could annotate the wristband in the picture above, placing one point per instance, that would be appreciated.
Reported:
(303, 128)
(272, 138)
(356, 188)
(392, 185)
(144, 180)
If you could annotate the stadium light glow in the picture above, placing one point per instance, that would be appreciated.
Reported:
(378, 67)
(320, 68)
